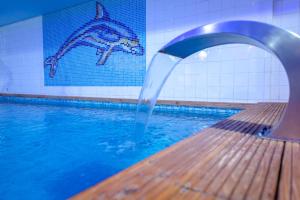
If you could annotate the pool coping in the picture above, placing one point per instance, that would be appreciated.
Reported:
(127, 100)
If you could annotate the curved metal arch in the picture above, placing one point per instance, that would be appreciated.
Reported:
(282, 43)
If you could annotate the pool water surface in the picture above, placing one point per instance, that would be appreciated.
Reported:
(55, 151)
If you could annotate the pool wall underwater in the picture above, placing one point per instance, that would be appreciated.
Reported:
(213, 75)
(127, 104)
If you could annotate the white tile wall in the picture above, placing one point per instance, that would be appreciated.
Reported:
(230, 73)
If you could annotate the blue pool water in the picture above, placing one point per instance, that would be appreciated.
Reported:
(51, 149)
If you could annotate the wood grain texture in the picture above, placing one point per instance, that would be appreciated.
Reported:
(289, 188)
(225, 161)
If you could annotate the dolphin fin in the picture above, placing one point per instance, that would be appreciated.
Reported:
(104, 56)
(101, 11)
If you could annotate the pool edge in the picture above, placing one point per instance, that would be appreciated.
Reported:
(127, 100)
(124, 184)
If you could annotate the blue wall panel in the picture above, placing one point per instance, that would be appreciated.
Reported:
(96, 44)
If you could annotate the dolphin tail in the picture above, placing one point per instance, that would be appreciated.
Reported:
(52, 62)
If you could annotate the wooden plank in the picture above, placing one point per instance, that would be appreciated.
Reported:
(234, 165)
(254, 178)
(296, 171)
(232, 175)
(217, 158)
(258, 163)
(290, 176)
(285, 191)
(271, 181)
(241, 190)
(233, 178)
(270, 185)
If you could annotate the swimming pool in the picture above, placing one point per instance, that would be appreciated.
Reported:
(53, 149)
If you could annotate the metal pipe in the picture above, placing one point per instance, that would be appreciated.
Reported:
(282, 43)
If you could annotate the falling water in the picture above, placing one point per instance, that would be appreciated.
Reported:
(158, 72)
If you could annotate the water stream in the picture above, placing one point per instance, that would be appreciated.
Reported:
(158, 72)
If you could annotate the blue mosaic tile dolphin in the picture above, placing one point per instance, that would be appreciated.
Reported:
(102, 33)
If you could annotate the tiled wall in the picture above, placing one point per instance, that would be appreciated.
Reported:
(80, 65)
(231, 73)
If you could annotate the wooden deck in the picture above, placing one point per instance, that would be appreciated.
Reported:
(226, 161)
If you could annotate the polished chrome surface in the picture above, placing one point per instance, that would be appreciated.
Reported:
(282, 43)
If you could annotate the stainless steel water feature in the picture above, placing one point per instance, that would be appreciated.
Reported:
(282, 43)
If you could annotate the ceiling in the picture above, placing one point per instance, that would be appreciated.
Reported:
(16, 10)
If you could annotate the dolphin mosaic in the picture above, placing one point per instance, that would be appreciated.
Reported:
(102, 33)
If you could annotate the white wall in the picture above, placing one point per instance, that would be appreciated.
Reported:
(231, 73)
